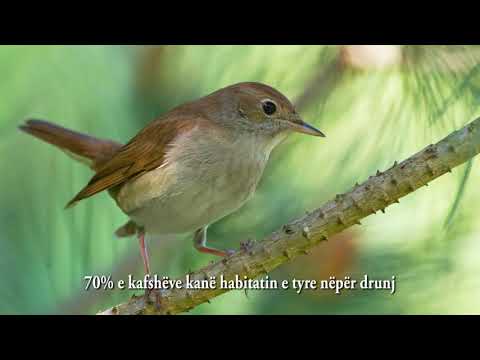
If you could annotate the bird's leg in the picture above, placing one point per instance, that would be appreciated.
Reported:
(200, 243)
(146, 266)
(144, 251)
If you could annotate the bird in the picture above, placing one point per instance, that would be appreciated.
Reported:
(188, 168)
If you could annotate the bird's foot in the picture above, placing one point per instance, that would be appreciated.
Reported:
(157, 298)
(247, 245)
(229, 252)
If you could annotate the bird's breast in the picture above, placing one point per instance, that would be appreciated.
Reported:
(202, 180)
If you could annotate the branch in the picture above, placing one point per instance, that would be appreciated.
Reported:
(298, 236)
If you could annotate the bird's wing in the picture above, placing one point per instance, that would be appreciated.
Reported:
(146, 151)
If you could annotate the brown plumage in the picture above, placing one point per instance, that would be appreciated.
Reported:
(113, 163)
(146, 151)
(189, 168)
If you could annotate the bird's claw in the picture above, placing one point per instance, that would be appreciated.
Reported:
(247, 245)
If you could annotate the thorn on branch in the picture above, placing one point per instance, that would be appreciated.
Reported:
(430, 149)
(288, 229)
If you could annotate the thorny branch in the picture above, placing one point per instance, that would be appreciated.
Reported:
(345, 210)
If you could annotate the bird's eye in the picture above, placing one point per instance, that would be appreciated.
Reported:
(269, 107)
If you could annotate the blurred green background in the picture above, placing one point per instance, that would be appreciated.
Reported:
(377, 104)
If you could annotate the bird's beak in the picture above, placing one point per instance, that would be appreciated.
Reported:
(302, 127)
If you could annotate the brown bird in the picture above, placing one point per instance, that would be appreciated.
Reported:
(189, 168)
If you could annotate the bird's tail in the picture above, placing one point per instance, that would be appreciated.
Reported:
(90, 150)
